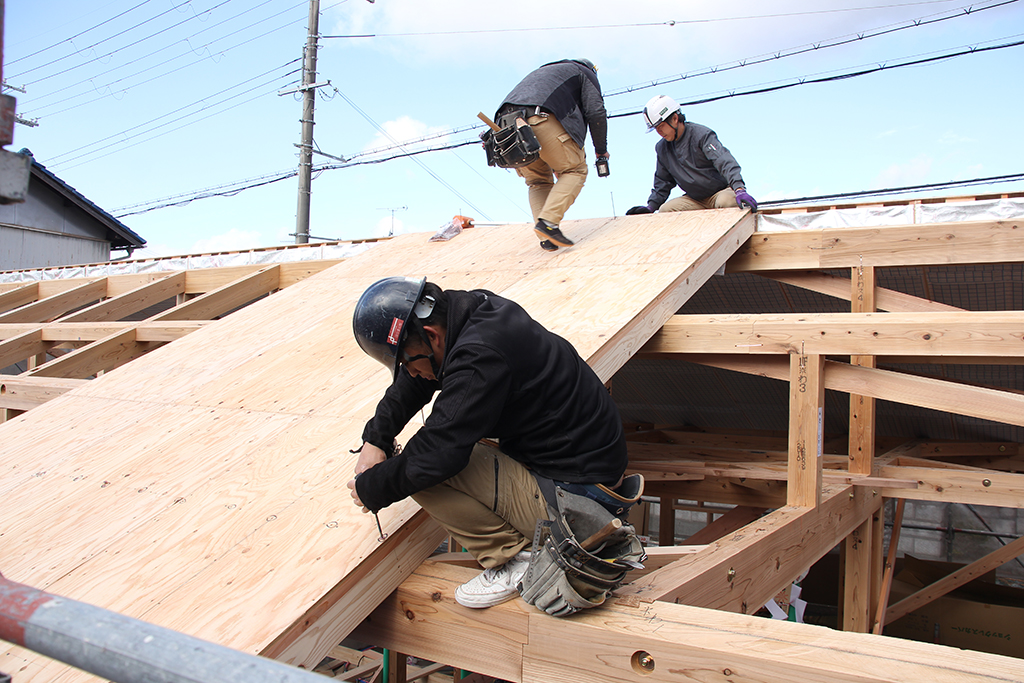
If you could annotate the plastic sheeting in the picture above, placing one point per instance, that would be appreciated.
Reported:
(901, 214)
(311, 252)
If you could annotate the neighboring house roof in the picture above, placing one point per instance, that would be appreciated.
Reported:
(121, 236)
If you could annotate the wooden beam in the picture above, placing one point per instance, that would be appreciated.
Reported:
(977, 487)
(614, 353)
(333, 618)
(767, 494)
(19, 296)
(20, 347)
(24, 393)
(422, 618)
(55, 306)
(806, 425)
(666, 642)
(225, 298)
(122, 305)
(955, 580)
(103, 354)
(905, 245)
(966, 333)
(62, 332)
(728, 522)
(740, 572)
(926, 392)
(839, 287)
(623, 643)
(857, 579)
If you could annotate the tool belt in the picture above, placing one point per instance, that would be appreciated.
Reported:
(514, 144)
(565, 577)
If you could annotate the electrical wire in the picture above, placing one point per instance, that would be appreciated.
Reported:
(670, 22)
(93, 88)
(107, 153)
(114, 52)
(816, 46)
(79, 34)
(758, 90)
(412, 155)
(992, 180)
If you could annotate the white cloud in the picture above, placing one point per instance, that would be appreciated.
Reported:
(232, 240)
(912, 172)
(403, 129)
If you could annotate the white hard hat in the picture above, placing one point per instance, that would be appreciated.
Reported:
(658, 109)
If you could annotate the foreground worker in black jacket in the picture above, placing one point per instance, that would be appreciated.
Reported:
(500, 375)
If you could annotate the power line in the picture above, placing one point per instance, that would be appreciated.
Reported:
(237, 104)
(79, 34)
(89, 80)
(992, 180)
(966, 50)
(113, 52)
(813, 47)
(670, 22)
(412, 155)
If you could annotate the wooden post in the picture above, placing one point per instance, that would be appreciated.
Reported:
(857, 585)
(806, 422)
(667, 521)
(858, 593)
(890, 567)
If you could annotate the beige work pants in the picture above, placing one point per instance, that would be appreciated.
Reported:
(556, 179)
(723, 199)
(491, 507)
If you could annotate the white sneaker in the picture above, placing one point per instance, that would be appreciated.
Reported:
(496, 585)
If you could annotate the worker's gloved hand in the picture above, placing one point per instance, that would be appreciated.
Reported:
(638, 210)
(742, 198)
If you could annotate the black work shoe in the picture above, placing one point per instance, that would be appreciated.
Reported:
(548, 245)
(546, 231)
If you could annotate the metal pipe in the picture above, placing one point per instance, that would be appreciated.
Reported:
(125, 650)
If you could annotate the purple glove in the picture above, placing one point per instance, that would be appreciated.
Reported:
(743, 198)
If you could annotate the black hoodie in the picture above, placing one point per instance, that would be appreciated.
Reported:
(505, 377)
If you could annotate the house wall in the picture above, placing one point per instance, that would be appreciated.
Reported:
(48, 230)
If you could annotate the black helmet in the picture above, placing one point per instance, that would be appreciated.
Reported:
(378, 322)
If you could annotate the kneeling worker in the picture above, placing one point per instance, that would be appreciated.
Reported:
(500, 375)
(690, 156)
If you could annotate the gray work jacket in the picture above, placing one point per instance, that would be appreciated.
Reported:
(697, 162)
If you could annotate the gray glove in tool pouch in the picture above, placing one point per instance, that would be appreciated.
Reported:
(582, 555)
(514, 144)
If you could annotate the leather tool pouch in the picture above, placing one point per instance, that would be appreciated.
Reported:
(514, 145)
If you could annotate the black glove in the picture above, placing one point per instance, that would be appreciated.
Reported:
(638, 210)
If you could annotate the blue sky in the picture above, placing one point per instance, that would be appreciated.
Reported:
(144, 100)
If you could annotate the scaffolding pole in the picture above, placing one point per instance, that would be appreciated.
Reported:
(125, 650)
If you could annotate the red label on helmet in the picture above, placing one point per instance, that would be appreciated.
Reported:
(395, 332)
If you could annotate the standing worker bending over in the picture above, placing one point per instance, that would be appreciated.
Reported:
(561, 100)
(690, 156)
(500, 375)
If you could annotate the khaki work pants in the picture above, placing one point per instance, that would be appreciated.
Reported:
(723, 199)
(556, 179)
(491, 507)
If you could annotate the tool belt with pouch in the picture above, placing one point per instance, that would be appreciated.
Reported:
(569, 571)
(514, 144)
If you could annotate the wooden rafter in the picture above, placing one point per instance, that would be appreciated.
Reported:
(19, 296)
(49, 308)
(132, 301)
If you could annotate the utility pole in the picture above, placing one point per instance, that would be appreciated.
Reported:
(306, 146)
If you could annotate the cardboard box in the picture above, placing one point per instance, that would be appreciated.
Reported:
(981, 615)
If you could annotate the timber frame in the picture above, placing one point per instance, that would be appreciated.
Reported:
(793, 494)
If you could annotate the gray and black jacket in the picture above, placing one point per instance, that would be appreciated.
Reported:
(571, 93)
(697, 162)
(505, 377)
